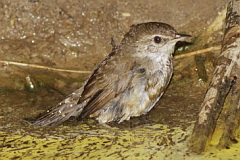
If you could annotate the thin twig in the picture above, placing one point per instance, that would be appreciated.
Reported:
(43, 67)
(214, 48)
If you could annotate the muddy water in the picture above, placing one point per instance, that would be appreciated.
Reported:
(164, 129)
(76, 35)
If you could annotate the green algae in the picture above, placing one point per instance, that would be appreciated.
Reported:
(145, 142)
(142, 142)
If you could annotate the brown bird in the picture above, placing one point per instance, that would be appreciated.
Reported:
(128, 82)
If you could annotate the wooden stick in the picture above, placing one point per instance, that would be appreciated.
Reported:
(232, 45)
(224, 80)
(214, 48)
(43, 67)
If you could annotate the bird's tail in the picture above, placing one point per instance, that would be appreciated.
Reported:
(62, 112)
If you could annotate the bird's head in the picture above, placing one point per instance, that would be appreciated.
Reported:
(153, 38)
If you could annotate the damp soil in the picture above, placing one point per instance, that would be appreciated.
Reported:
(76, 35)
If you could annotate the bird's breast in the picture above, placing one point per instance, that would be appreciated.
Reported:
(158, 77)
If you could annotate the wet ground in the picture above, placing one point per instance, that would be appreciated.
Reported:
(166, 126)
(76, 35)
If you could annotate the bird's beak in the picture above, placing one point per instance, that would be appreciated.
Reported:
(182, 36)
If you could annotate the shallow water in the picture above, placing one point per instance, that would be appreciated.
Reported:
(160, 134)
(76, 35)
(165, 128)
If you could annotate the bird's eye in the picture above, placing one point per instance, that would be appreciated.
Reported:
(157, 39)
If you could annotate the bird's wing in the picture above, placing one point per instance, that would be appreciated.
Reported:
(110, 79)
(103, 86)
(107, 83)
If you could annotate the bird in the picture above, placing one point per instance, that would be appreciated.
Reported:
(127, 83)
